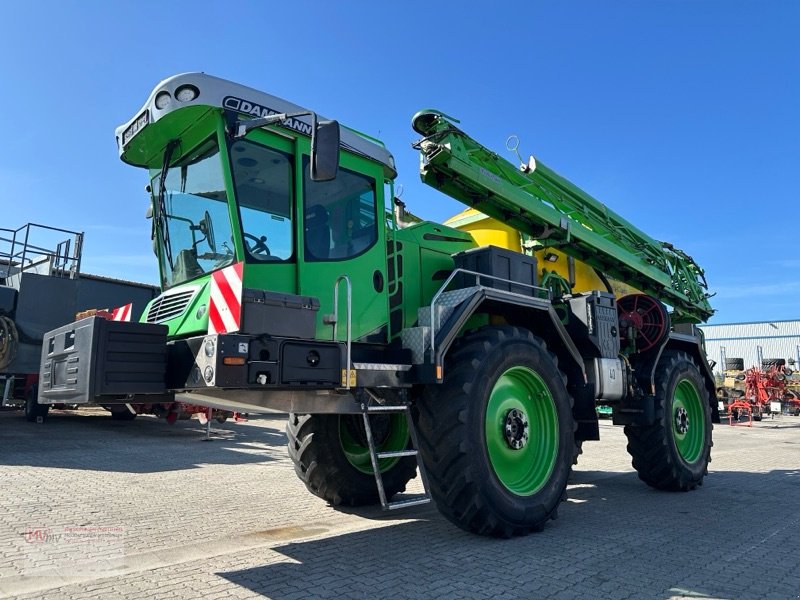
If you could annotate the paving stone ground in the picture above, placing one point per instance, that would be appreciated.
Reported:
(148, 510)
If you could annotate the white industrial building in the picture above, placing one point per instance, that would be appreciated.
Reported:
(753, 342)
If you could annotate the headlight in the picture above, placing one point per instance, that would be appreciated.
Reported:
(186, 93)
(162, 100)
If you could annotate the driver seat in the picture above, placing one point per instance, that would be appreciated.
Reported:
(186, 266)
(317, 232)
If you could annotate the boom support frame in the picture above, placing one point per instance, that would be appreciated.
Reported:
(538, 202)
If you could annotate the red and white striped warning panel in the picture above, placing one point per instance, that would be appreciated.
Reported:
(122, 313)
(225, 300)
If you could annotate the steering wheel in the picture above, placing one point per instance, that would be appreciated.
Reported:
(259, 245)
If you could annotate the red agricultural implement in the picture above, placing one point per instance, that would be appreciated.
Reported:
(765, 394)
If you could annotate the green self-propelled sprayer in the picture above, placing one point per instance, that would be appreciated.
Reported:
(294, 281)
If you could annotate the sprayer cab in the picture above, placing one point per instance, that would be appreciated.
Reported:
(240, 176)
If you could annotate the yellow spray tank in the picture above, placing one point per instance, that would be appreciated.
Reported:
(554, 265)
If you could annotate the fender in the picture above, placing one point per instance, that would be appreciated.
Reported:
(685, 337)
(535, 314)
(538, 316)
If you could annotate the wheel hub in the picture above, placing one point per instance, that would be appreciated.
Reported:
(515, 429)
(681, 420)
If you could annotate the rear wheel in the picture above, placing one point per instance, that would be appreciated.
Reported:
(497, 437)
(331, 456)
(673, 453)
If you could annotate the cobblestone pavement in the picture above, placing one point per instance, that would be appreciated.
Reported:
(181, 518)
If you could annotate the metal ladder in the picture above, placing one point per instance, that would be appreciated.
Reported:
(375, 456)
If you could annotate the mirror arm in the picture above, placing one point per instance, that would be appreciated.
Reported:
(240, 128)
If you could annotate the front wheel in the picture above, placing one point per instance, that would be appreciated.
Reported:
(331, 456)
(497, 437)
(673, 453)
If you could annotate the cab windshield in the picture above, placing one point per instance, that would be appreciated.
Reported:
(193, 228)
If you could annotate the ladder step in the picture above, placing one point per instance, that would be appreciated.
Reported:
(407, 503)
(397, 453)
(384, 409)
(381, 367)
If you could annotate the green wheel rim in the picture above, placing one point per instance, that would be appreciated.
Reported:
(521, 394)
(688, 427)
(357, 452)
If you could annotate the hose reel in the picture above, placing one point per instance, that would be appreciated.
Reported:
(643, 321)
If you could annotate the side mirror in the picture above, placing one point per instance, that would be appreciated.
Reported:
(149, 215)
(324, 150)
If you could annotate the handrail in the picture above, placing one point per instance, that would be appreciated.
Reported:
(18, 250)
(346, 279)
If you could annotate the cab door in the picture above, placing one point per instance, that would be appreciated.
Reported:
(342, 233)
(264, 178)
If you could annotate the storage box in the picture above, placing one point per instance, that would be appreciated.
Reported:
(498, 262)
(593, 323)
(96, 357)
(284, 315)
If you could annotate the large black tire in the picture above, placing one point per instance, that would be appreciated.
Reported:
(330, 456)
(766, 363)
(34, 410)
(9, 341)
(666, 456)
(734, 364)
(481, 479)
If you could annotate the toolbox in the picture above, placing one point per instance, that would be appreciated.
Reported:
(97, 357)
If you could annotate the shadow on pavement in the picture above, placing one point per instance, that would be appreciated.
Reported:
(616, 538)
(91, 440)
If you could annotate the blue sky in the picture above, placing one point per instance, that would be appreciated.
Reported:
(682, 116)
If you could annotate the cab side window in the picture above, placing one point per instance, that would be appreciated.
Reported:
(339, 215)
(264, 191)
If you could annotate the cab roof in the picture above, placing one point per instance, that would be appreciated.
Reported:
(199, 89)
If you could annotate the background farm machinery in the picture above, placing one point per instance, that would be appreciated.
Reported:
(773, 388)
(42, 287)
